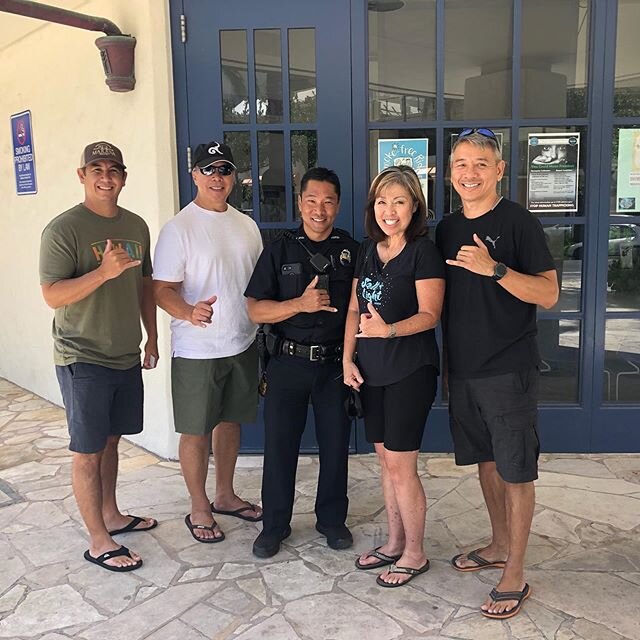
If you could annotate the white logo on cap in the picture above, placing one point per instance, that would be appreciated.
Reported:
(215, 149)
(103, 149)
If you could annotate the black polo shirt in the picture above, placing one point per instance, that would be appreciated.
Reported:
(284, 271)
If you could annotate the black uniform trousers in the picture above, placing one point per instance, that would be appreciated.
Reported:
(290, 383)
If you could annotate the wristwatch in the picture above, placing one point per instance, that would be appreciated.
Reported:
(499, 271)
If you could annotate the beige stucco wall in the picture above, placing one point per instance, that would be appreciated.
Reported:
(55, 71)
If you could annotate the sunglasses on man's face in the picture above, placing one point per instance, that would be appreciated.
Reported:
(487, 133)
(221, 170)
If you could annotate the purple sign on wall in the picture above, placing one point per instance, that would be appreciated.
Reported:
(24, 159)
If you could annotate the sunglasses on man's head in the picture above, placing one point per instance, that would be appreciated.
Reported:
(487, 133)
(221, 170)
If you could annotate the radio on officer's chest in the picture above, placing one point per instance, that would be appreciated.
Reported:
(321, 265)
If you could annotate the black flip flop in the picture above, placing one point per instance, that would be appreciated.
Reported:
(481, 563)
(203, 527)
(498, 596)
(131, 527)
(101, 560)
(237, 513)
(383, 558)
(412, 573)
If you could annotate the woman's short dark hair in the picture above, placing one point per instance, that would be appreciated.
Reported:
(406, 177)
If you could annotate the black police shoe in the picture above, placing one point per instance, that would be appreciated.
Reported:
(337, 537)
(267, 545)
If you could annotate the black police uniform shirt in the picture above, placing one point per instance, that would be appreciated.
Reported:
(391, 289)
(488, 331)
(283, 272)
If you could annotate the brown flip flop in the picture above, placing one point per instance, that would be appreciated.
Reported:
(497, 596)
(383, 560)
(481, 563)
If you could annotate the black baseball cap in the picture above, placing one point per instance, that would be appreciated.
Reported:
(101, 151)
(206, 154)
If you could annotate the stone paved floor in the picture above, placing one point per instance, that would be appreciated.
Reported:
(583, 561)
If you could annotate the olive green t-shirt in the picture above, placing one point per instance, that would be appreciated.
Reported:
(103, 328)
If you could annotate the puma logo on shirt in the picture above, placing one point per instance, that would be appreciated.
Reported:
(492, 241)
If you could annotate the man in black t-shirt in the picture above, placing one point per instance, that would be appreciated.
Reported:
(301, 287)
(498, 269)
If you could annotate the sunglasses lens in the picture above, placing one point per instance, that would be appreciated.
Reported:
(487, 133)
(465, 132)
(223, 170)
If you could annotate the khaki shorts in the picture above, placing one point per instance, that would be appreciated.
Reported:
(206, 392)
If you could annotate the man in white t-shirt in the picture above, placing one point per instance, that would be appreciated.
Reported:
(203, 261)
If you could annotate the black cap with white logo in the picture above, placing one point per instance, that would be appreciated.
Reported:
(206, 154)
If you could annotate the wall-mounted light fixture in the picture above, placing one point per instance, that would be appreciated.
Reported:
(116, 48)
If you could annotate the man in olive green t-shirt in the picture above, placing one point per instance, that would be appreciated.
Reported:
(95, 271)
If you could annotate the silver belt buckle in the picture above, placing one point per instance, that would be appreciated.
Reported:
(314, 352)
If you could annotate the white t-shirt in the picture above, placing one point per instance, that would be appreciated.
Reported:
(211, 253)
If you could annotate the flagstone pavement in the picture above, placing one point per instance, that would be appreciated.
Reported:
(583, 562)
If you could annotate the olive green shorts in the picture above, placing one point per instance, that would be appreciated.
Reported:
(206, 392)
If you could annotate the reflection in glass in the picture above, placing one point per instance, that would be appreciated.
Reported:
(304, 155)
(623, 275)
(268, 75)
(478, 59)
(452, 200)
(402, 55)
(523, 172)
(627, 76)
(302, 75)
(554, 58)
(565, 243)
(234, 72)
(559, 343)
(380, 134)
(621, 377)
(242, 195)
(625, 170)
(273, 207)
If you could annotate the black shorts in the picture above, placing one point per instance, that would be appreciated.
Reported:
(494, 419)
(395, 414)
(100, 402)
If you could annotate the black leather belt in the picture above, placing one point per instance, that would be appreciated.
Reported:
(313, 352)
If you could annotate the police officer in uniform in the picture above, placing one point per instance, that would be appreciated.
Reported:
(301, 287)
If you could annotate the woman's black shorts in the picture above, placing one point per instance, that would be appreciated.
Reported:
(395, 414)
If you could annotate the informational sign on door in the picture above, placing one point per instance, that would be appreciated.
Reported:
(552, 162)
(412, 152)
(24, 159)
(628, 187)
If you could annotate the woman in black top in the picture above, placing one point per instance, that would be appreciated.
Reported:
(395, 304)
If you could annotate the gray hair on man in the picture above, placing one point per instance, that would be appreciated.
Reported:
(479, 140)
